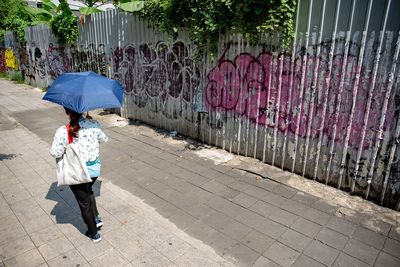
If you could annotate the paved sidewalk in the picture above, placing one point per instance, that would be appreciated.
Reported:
(164, 205)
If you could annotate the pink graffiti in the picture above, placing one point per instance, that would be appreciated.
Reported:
(260, 87)
(2, 60)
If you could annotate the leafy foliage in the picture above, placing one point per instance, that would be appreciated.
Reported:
(43, 15)
(92, 6)
(205, 19)
(65, 24)
(14, 17)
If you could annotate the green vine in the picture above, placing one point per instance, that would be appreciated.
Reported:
(65, 24)
(206, 19)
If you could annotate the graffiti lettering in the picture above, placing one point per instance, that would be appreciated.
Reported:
(255, 87)
(11, 60)
(3, 67)
(161, 71)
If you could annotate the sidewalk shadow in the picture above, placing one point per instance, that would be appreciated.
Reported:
(7, 156)
(66, 209)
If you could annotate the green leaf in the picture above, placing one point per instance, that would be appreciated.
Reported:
(38, 22)
(258, 11)
(37, 11)
(89, 10)
(49, 4)
(133, 6)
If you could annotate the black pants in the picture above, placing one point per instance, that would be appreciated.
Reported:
(87, 204)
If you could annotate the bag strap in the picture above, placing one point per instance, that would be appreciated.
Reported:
(70, 140)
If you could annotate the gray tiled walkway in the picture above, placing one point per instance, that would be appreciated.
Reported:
(164, 206)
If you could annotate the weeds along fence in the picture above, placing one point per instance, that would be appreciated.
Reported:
(327, 110)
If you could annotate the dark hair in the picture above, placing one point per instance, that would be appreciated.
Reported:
(74, 122)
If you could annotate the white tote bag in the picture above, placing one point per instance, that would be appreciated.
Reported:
(71, 169)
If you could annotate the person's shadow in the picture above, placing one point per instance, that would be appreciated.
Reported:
(66, 209)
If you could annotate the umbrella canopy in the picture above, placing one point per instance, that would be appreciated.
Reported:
(84, 91)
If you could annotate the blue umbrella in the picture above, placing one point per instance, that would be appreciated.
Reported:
(84, 91)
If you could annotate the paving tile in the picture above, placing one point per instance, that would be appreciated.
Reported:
(270, 228)
(256, 192)
(281, 254)
(263, 208)
(392, 247)
(235, 230)
(294, 207)
(67, 259)
(217, 202)
(306, 227)
(11, 232)
(55, 247)
(316, 216)
(394, 233)
(257, 241)
(182, 220)
(197, 258)
(151, 257)
(239, 186)
(231, 209)
(350, 215)
(16, 247)
(29, 258)
(127, 243)
(295, 240)
(110, 258)
(376, 225)
(321, 253)
(90, 250)
(156, 235)
(219, 241)
(139, 224)
(16, 193)
(341, 225)
(273, 198)
(217, 220)
(40, 223)
(284, 190)
(283, 217)
(361, 251)
(346, 260)
(249, 218)
(244, 200)
(386, 260)
(244, 255)
(199, 210)
(304, 198)
(264, 262)
(306, 261)
(173, 248)
(46, 235)
(332, 238)
(168, 210)
(323, 205)
(5, 211)
(369, 237)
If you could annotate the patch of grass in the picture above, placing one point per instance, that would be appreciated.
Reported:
(3, 75)
(17, 77)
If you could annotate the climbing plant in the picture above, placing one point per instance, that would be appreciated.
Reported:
(206, 19)
(65, 24)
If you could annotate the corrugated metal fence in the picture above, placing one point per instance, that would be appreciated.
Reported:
(328, 110)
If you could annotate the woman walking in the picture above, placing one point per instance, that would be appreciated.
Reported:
(87, 134)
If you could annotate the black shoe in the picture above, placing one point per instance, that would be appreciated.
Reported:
(99, 223)
(95, 238)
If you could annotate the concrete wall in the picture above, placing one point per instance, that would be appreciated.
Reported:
(328, 110)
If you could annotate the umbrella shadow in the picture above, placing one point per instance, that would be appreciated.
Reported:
(66, 209)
